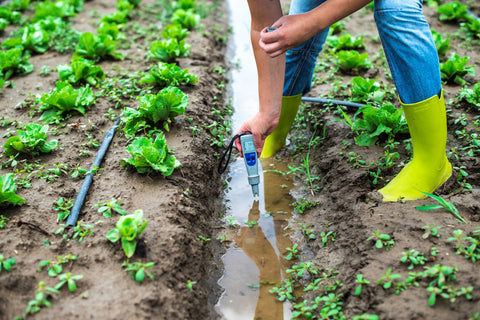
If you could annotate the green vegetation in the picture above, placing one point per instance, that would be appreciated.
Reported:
(138, 270)
(8, 190)
(6, 263)
(128, 230)
(151, 156)
(32, 140)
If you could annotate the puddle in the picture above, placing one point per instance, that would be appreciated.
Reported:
(255, 259)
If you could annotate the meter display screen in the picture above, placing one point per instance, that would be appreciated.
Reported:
(249, 146)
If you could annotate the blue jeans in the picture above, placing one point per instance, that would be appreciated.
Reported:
(407, 41)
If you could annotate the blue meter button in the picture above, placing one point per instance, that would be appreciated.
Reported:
(251, 158)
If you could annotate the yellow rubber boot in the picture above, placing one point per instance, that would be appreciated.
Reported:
(277, 139)
(429, 168)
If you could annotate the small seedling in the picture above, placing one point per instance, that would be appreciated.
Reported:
(413, 257)
(431, 230)
(109, 207)
(442, 204)
(80, 231)
(251, 224)
(138, 270)
(128, 230)
(204, 239)
(69, 280)
(329, 235)
(360, 280)
(41, 299)
(293, 252)
(388, 279)
(190, 284)
(307, 233)
(3, 221)
(54, 268)
(382, 240)
(63, 207)
(6, 264)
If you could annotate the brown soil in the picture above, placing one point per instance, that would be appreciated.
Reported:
(181, 207)
(350, 206)
(178, 208)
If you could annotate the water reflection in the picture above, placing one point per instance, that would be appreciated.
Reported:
(255, 261)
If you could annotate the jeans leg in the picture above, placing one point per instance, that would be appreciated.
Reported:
(409, 48)
(300, 61)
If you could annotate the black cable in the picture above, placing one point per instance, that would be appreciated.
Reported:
(228, 152)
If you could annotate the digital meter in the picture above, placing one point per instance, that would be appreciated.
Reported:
(251, 161)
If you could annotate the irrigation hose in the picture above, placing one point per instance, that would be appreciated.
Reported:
(335, 102)
(72, 219)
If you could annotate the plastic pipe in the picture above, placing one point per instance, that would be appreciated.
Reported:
(72, 219)
(335, 102)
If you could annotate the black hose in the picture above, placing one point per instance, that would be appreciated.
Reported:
(72, 219)
(335, 102)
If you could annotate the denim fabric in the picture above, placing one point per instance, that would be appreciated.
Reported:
(407, 41)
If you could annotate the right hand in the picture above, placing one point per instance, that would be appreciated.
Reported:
(261, 126)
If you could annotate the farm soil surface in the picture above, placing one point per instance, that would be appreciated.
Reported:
(349, 205)
(185, 205)
(178, 208)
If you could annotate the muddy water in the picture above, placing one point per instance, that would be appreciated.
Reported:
(257, 228)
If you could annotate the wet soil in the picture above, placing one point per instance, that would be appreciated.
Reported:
(178, 208)
(349, 205)
(183, 206)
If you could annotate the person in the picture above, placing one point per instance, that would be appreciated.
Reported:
(412, 58)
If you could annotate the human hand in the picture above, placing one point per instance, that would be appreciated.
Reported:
(261, 126)
(291, 31)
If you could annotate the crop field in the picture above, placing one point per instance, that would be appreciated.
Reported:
(144, 245)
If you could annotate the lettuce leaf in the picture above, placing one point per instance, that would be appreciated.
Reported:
(32, 140)
(8, 189)
(81, 70)
(161, 108)
(168, 50)
(377, 121)
(95, 47)
(165, 74)
(13, 61)
(64, 100)
(149, 156)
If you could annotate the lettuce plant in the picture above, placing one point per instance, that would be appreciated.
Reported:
(170, 49)
(472, 29)
(81, 70)
(455, 68)
(162, 107)
(19, 5)
(453, 11)
(472, 96)
(351, 60)
(186, 18)
(31, 37)
(64, 100)
(175, 31)
(95, 47)
(149, 156)
(8, 189)
(346, 42)
(32, 140)
(377, 121)
(118, 17)
(13, 61)
(9, 15)
(128, 230)
(60, 8)
(442, 44)
(3, 24)
(366, 90)
(165, 74)
(110, 29)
